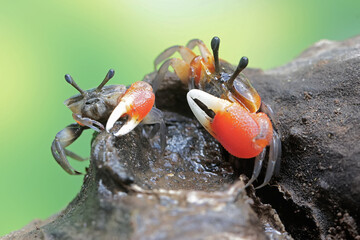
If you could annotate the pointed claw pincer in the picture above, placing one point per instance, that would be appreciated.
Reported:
(136, 104)
(242, 134)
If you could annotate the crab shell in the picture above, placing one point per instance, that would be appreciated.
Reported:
(96, 105)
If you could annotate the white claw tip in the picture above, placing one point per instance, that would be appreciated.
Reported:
(108, 127)
(127, 127)
(115, 115)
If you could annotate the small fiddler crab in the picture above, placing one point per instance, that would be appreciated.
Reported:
(105, 105)
(225, 103)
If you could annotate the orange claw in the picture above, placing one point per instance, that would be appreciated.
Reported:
(239, 131)
(243, 134)
(137, 102)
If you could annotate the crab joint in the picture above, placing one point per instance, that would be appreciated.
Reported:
(136, 104)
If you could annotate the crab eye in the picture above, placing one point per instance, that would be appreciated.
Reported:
(108, 76)
(71, 81)
(244, 61)
(215, 43)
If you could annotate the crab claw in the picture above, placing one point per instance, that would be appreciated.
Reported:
(241, 133)
(136, 103)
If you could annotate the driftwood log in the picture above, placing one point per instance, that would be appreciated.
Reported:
(195, 191)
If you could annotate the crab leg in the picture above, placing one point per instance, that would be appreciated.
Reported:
(136, 104)
(75, 156)
(257, 167)
(185, 53)
(155, 116)
(273, 159)
(181, 68)
(278, 159)
(63, 139)
(204, 51)
(268, 111)
(83, 121)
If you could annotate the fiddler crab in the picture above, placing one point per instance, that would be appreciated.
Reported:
(105, 105)
(225, 103)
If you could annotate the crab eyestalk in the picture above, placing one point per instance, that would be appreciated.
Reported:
(241, 66)
(108, 76)
(215, 43)
(71, 81)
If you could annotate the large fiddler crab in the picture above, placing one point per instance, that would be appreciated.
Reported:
(225, 103)
(105, 105)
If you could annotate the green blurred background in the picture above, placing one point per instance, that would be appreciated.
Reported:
(40, 41)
